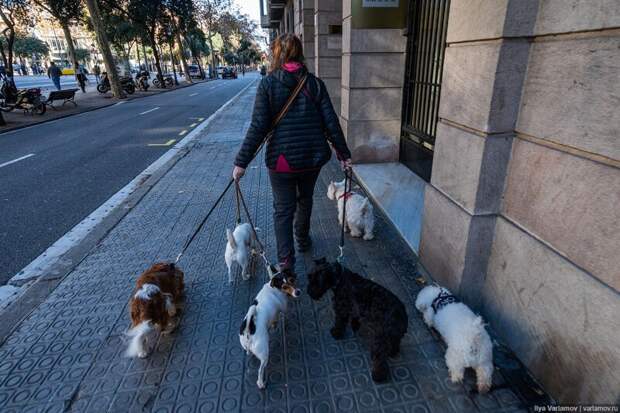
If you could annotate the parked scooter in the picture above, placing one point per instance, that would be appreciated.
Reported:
(127, 84)
(142, 80)
(168, 82)
(27, 99)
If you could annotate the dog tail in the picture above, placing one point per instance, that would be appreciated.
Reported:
(248, 325)
(136, 335)
(231, 239)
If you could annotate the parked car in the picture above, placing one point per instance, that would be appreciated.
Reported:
(194, 72)
(229, 73)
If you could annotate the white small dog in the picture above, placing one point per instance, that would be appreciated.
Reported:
(469, 345)
(271, 300)
(239, 249)
(360, 215)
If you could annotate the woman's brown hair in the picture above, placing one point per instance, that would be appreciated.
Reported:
(286, 48)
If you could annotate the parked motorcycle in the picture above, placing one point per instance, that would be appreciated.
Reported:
(168, 82)
(127, 84)
(142, 80)
(27, 99)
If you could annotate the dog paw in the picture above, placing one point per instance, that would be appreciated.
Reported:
(379, 374)
(143, 354)
(484, 387)
(337, 333)
(356, 234)
(369, 237)
(260, 384)
(456, 377)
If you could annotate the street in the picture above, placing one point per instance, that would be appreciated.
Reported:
(54, 174)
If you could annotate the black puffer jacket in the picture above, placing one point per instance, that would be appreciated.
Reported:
(301, 136)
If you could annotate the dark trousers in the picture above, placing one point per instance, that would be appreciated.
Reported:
(292, 208)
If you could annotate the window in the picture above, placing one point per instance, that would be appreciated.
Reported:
(426, 39)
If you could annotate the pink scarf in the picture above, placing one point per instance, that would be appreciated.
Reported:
(292, 66)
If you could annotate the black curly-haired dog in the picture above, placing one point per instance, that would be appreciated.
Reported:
(371, 309)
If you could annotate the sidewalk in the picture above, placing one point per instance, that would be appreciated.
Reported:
(85, 102)
(67, 354)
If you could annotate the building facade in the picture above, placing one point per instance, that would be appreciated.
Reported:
(488, 133)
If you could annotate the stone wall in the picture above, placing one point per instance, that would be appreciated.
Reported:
(522, 215)
(373, 62)
(328, 47)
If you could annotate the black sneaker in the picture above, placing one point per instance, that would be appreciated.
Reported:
(304, 244)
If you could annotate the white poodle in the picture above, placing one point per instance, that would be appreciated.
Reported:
(239, 249)
(469, 345)
(360, 215)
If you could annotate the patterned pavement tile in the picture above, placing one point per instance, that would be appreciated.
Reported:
(68, 354)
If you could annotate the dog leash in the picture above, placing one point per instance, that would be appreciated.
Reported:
(262, 251)
(347, 189)
(268, 137)
(204, 220)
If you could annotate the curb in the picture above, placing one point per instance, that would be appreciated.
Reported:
(127, 99)
(31, 286)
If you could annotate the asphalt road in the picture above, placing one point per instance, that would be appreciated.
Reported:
(55, 174)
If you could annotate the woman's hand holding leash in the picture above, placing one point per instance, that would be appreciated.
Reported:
(346, 165)
(237, 173)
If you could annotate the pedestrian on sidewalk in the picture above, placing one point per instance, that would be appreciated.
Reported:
(97, 73)
(54, 73)
(80, 75)
(299, 146)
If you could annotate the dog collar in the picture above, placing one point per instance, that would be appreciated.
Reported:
(443, 299)
(346, 195)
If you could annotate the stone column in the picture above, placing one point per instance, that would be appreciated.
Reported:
(304, 28)
(484, 71)
(373, 62)
(328, 46)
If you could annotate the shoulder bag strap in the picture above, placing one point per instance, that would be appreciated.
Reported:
(282, 112)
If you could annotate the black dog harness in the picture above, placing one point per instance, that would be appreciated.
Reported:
(443, 299)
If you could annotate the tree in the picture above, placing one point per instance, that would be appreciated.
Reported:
(211, 12)
(181, 21)
(81, 55)
(14, 14)
(67, 13)
(104, 47)
(25, 46)
(197, 45)
(148, 14)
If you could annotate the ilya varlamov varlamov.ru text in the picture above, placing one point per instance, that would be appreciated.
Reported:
(576, 408)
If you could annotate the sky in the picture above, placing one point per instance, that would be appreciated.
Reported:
(252, 9)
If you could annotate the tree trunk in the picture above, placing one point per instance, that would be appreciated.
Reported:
(156, 56)
(146, 63)
(181, 57)
(70, 46)
(213, 69)
(104, 46)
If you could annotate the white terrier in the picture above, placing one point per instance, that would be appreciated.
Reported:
(239, 249)
(271, 300)
(469, 345)
(360, 215)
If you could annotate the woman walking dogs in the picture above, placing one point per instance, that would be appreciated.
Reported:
(298, 147)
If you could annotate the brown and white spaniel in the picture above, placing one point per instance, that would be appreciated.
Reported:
(154, 305)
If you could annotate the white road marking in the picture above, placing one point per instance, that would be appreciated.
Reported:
(2, 165)
(183, 132)
(193, 94)
(147, 111)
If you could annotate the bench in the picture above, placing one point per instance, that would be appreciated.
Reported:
(66, 95)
